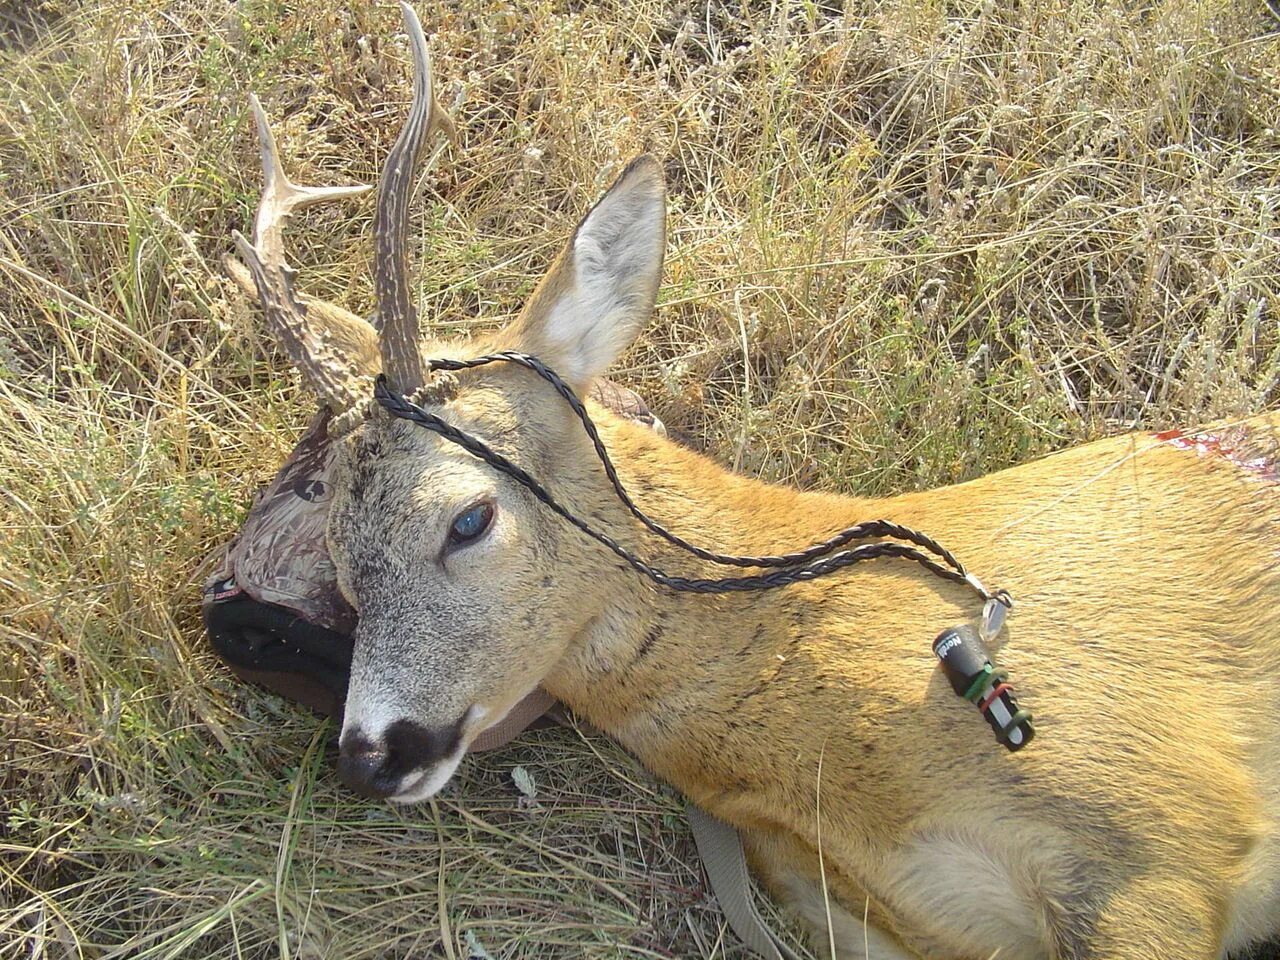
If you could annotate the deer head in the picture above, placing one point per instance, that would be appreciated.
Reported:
(457, 574)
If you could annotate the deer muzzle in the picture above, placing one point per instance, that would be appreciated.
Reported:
(404, 763)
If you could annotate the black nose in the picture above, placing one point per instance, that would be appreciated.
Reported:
(378, 768)
(360, 767)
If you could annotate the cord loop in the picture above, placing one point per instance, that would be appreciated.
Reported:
(810, 563)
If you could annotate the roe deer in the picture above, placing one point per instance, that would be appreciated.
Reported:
(1142, 823)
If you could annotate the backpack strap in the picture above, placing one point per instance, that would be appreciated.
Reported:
(720, 847)
(518, 718)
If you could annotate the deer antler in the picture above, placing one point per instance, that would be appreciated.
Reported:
(397, 314)
(320, 365)
(325, 368)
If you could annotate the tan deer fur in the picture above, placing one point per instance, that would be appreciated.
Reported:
(1142, 821)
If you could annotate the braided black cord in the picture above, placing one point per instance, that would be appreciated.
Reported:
(400, 407)
(861, 531)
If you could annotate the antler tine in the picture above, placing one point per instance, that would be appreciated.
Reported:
(399, 317)
(318, 363)
(280, 195)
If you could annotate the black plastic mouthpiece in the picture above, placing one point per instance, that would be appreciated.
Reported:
(973, 677)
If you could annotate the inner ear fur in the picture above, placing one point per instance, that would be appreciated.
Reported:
(602, 288)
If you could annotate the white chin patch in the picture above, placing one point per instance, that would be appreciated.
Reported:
(425, 784)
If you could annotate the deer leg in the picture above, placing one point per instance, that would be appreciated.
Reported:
(1165, 917)
(791, 870)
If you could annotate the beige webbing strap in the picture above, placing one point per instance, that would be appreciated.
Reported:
(520, 716)
(726, 864)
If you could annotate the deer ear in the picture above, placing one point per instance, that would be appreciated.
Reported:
(602, 289)
(353, 341)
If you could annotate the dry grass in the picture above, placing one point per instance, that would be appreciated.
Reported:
(911, 243)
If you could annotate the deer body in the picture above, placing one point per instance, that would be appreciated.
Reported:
(1147, 645)
(1143, 821)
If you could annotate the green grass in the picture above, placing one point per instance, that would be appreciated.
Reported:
(910, 243)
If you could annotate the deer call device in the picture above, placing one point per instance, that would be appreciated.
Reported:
(973, 677)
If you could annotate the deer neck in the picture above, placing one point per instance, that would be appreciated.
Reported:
(680, 679)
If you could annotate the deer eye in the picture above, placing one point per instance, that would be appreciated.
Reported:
(471, 524)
